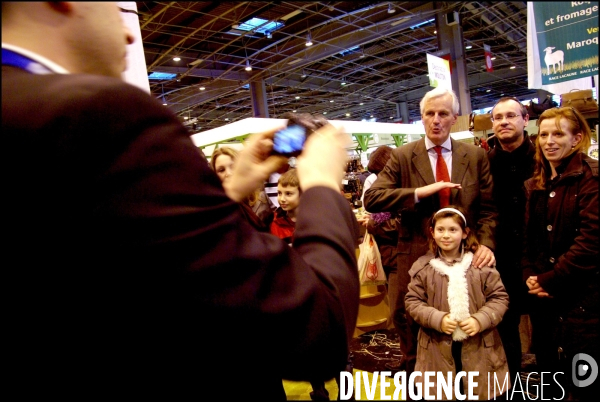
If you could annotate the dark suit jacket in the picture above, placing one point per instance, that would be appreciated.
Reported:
(134, 273)
(408, 168)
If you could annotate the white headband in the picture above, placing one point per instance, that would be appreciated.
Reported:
(456, 211)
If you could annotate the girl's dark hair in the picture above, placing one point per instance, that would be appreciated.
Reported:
(470, 243)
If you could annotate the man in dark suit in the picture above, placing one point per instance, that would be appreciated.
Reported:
(407, 185)
(512, 162)
(132, 270)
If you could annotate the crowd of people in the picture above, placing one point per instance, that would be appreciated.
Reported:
(144, 270)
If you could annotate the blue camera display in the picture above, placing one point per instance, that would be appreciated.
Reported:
(290, 140)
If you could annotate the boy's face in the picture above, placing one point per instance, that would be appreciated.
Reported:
(288, 197)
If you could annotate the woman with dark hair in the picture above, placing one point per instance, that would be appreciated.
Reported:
(560, 262)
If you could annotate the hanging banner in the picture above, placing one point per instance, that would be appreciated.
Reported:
(488, 58)
(562, 42)
(439, 72)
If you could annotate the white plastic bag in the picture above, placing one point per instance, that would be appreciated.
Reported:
(370, 268)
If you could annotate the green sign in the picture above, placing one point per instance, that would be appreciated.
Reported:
(567, 36)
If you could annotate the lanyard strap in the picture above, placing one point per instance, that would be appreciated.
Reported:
(18, 60)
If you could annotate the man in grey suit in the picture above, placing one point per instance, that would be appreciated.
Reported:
(408, 187)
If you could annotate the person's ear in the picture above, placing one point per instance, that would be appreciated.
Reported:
(576, 139)
(465, 233)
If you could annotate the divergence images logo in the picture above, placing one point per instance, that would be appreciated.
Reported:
(584, 369)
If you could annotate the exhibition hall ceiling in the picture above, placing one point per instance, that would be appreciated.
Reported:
(366, 58)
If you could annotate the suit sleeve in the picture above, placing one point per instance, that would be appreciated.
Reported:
(386, 194)
(176, 221)
(488, 213)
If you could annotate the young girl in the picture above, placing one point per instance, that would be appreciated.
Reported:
(458, 307)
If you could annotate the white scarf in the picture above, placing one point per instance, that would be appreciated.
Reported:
(458, 295)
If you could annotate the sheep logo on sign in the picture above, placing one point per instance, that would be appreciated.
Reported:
(552, 59)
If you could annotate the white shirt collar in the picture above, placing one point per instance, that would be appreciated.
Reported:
(447, 144)
(36, 57)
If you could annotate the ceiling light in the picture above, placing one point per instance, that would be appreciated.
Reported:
(391, 117)
(294, 111)
(347, 114)
(435, 32)
(468, 47)
(297, 97)
(202, 88)
(493, 57)
(361, 103)
(487, 90)
(391, 10)
(176, 58)
(248, 66)
(501, 94)
(343, 83)
(330, 101)
(226, 118)
(309, 39)
(324, 112)
(513, 67)
(269, 36)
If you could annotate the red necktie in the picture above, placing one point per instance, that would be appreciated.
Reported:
(441, 173)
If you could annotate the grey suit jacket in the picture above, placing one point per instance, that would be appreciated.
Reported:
(409, 168)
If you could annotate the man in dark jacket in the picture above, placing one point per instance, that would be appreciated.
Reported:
(133, 271)
(512, 163)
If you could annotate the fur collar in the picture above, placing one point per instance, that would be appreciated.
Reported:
(458, 295)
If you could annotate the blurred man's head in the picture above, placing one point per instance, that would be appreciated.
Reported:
(82, 37)
(439, 111)
(509, 118)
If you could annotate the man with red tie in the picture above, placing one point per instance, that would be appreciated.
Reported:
(420, 178)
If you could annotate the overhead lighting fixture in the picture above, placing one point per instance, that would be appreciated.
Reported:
(361, 103)
(164, 101)
(468, 47)
(435, 32)
(324, 112)
(493, 57)
(391, 10)
(488, 90)
(294, 111)
(269, 35)
(226, 118)
(330, 101)
(348, 115)
(176, 58)
(202, 88)
(248, 66)
(309, 39)
(513, 67)
(297, 97)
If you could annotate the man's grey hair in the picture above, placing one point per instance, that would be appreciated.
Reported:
(438, 92)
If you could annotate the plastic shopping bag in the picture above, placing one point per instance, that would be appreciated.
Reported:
(370, 268)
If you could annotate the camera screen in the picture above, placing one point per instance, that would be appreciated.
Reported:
(289, 140)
